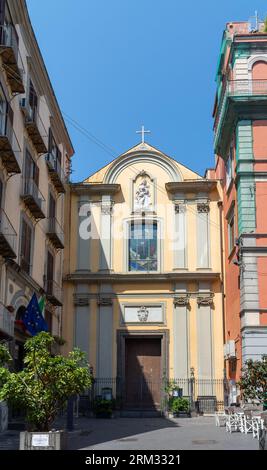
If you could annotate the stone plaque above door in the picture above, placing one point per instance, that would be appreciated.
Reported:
(143, 314)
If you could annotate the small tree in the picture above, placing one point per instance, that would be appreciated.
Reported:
(265, 25)
(253, 382)
(43, 387)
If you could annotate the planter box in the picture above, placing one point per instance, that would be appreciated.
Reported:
(52, 440)
(181, 414)
(3, 416)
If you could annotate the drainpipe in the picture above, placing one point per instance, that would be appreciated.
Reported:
(220, 205)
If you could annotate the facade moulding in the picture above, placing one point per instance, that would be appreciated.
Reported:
(87, 188)
(162, 277)
(191, 186)
(205, 299)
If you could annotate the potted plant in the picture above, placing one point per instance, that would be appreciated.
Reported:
(42, 389)
(179, 407)
(103, 408)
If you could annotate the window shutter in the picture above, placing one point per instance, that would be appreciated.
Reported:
(2, 12)
(50, 266)
(1, 192)
(35, 174)
(50, 136)
(52, 206)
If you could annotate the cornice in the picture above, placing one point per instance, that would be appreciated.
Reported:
(138, 277)
(191, 185)
(87, 188)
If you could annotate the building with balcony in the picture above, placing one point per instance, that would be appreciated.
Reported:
(240, 130)
(35, 152)
(143, 285)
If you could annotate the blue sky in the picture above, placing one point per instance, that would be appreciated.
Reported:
(118, 64)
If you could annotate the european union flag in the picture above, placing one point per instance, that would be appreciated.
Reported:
(33, 319)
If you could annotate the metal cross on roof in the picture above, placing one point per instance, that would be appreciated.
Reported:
(143, 132)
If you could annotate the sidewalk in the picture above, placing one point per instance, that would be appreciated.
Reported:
(146, 433)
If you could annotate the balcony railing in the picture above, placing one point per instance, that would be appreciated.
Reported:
(56, 173)
(33, 198)
(8, 237)
(7, 320)
(250, 89)
(10, 152)
(25, 264)
(35, 126)
(55, 233)
(11, 59)
(53, 292)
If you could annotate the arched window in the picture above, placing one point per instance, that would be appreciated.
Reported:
(143, 246)
(259, 70)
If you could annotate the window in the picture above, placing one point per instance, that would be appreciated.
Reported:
(229, 168)
(25, 246)
(54, 150)
(231, 231)
(33, 101)
(143, 243)
(52, 207)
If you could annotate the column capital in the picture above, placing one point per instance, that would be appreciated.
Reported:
(181, 300)
(205, 299)
(203, 207)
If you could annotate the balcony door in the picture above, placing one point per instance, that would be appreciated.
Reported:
(33, 101)
(50, 272)
(31, 171)
(52, 207)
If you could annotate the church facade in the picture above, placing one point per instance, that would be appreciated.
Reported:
(143, 275)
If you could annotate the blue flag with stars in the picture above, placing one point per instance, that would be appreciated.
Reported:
(33, 319)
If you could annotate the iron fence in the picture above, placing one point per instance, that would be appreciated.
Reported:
(204, 395)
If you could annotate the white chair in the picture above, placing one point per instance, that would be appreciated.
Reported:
(257, 425)
(247, 425)
(220, 418)
(231, 422)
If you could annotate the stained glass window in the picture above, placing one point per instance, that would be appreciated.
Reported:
(143, 246)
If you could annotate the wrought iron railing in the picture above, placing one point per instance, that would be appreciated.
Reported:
(54, 227)
(9, 38)
(7, 130)
(238, 88)
(30, 189)
(53, 289)
(204, 395)
(7, 230)
(6, 321)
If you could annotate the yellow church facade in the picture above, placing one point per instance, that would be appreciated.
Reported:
(142, 276)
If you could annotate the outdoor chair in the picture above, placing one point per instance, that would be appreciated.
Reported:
(220, 418)
(232, 423)
(257, 425)
(246, 422)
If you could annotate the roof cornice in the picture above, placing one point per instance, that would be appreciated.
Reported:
(191, 185)
(87, 188)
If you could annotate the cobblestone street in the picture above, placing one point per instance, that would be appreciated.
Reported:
(147, 433)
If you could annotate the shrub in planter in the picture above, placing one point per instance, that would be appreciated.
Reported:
(45, 384)
(104, 408)
(179, 406)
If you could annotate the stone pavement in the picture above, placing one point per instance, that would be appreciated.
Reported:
(147, 433)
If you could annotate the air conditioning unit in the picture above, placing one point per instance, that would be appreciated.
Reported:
(229, 349)
(51, 161)
(226, 350)
(232, 353)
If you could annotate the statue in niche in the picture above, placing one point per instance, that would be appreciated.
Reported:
(143, 196)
